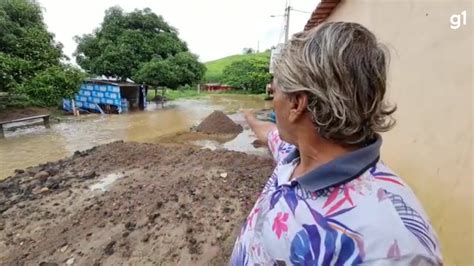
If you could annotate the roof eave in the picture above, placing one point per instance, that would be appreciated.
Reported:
(321, 13)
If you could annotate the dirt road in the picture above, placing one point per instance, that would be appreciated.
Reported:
(170, 204)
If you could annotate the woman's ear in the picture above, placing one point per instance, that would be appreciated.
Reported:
(298, 106)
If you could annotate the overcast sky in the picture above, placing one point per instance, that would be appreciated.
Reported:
(212, 28)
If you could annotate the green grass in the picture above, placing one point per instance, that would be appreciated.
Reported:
(172, 95)
(175, 94)
(239, 92)
(216, 67)
(180, 94)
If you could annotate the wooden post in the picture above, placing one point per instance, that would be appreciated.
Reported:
(73, 105)
(2, 135)
(46, 122)
(163, 97)
(199, 88)
(100, 109)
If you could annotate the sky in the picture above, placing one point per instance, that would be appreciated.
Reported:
(212, 28)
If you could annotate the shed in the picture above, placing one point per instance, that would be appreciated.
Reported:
(107, 96)
(215, 87)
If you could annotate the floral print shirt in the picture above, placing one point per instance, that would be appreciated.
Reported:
(352, 210)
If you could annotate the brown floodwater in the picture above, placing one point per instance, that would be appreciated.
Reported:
(34, 145)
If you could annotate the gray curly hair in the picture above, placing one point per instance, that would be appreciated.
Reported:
(342, 68)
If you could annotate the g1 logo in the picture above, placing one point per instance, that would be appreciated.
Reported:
(456, 20)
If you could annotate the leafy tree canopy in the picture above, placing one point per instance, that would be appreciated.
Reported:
(138, 45)
(181, 69)
(26, 47)
(249, 74)
(30, 59)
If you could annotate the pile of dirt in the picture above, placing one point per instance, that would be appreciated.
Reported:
(169, 205)
(218, 123)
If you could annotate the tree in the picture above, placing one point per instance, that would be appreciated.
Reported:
(248, 50)
(171, 72)
(249, 74)
(30, 59)
(189, 69)
(158, 73)
(53, 84)
(26, 47)
(136, 45)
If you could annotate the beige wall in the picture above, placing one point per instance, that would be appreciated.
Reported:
(431, 82)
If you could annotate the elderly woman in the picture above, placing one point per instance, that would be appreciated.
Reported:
(330, 199)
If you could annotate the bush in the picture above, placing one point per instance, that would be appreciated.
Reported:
(250, 74)
(187, 87)
(50, 86)
(16, 101)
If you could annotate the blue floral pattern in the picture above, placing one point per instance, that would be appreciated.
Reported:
(293, 226)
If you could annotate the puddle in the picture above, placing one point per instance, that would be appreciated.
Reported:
(243, 143)
(104, 183)
(34, 145)
(207, 144)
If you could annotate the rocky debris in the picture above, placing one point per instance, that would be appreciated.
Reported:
(89, 175)
(228, 210)
(130, 226)
(43, 263)
(19, 171)
(52, 184)
(53, 171)
(70, 261)
(146, 238)
(64, 248)
(109, 248)
(194, 246)
(42, 176)
(152, 217)
(174, 217)
(218, 123)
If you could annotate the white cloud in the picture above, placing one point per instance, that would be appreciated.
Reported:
(212, 28)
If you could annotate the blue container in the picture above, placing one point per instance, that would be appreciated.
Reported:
(67, 105)
(112, 95)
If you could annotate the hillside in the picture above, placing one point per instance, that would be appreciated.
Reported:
(215, 68)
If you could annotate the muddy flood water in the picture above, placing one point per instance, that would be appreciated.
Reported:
(34, 145)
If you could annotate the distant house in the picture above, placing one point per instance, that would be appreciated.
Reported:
(107, 96)
(215, 87)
